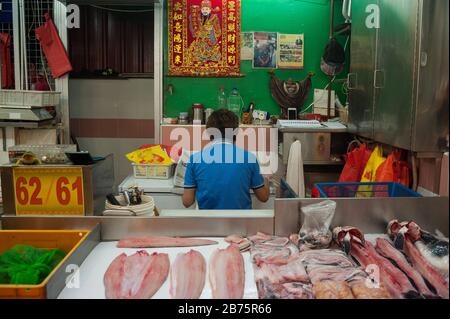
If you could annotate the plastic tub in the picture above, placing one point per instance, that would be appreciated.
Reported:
(66, 240)
(146, 208)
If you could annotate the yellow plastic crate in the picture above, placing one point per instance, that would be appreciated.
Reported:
(66, 240)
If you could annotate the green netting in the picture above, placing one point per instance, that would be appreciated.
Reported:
(27, 265)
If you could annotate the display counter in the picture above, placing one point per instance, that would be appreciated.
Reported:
(369, 215)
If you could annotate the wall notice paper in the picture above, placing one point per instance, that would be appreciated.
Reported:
(265, 50)
(246, 46)
(290, 51)
(204, 37)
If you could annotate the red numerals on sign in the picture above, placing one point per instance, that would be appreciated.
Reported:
(62, 190)
(78, 186)
(35, 200)
(21, 191)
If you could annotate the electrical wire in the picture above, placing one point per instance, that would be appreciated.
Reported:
(320, 98)
(33, 23)
(346, 42)
(345, 84)
(121, 10)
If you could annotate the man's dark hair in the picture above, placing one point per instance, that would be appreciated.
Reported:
(222, 119)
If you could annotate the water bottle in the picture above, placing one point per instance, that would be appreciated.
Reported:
(222, 99)
(235, 103)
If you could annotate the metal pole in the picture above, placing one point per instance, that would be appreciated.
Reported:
(330, 78)
(16, 45)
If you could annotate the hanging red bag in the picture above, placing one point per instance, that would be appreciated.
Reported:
(385, 172)
(53, 48)
(356, 161)
(7, 74)
(402, 173)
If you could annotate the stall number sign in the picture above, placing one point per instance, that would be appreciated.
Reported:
(48, 191)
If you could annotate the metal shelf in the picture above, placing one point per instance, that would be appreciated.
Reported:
(25, 124)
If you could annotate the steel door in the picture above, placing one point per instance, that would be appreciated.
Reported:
(396, 72)
(360, 78)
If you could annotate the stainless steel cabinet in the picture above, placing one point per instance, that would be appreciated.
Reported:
(399, 74)
(363, 57)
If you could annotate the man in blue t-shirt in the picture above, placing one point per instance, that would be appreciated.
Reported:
(222, 174)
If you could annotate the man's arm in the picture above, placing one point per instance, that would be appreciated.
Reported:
(188, 197)
(263, 192)
(190, 184)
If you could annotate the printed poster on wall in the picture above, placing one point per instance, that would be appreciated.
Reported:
(290, 51)
(265, 50)
(246, 46)
(204, 37)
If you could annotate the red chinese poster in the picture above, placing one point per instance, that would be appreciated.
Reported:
(204, 37)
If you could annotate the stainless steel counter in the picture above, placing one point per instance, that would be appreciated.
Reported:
(183, 223)
(371, 215)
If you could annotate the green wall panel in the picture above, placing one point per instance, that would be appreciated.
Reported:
(310, 17)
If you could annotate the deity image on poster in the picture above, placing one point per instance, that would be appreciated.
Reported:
(204, 28)
(265, 50)
(204, 37)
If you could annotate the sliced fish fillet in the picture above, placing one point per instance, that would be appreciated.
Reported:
(187, 275)
(243, 243)
(438, 262)
(387, 250)
(430, 273)
(392, 278)
(292, 290)
(319, 273)
(162, 241)
(290, 271)
(226, 273)
(138, 276)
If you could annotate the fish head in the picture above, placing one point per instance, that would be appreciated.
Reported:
(399, 231)
(345, 236)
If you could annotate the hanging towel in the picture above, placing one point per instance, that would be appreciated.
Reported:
(294, 175)
(53, 48)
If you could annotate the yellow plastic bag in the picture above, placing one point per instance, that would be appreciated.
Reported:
(369, 174)
(151, 155)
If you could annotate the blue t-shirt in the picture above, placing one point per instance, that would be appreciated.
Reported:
(223, 175)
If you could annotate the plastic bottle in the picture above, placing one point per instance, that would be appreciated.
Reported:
(222, 99)
(235, 103)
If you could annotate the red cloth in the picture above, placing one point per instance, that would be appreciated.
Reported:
(7, 74)
(53, 48)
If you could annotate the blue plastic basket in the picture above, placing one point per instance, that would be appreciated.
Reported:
(391, 189)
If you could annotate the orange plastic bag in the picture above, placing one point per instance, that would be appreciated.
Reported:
(355, 163)
(385, 173)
